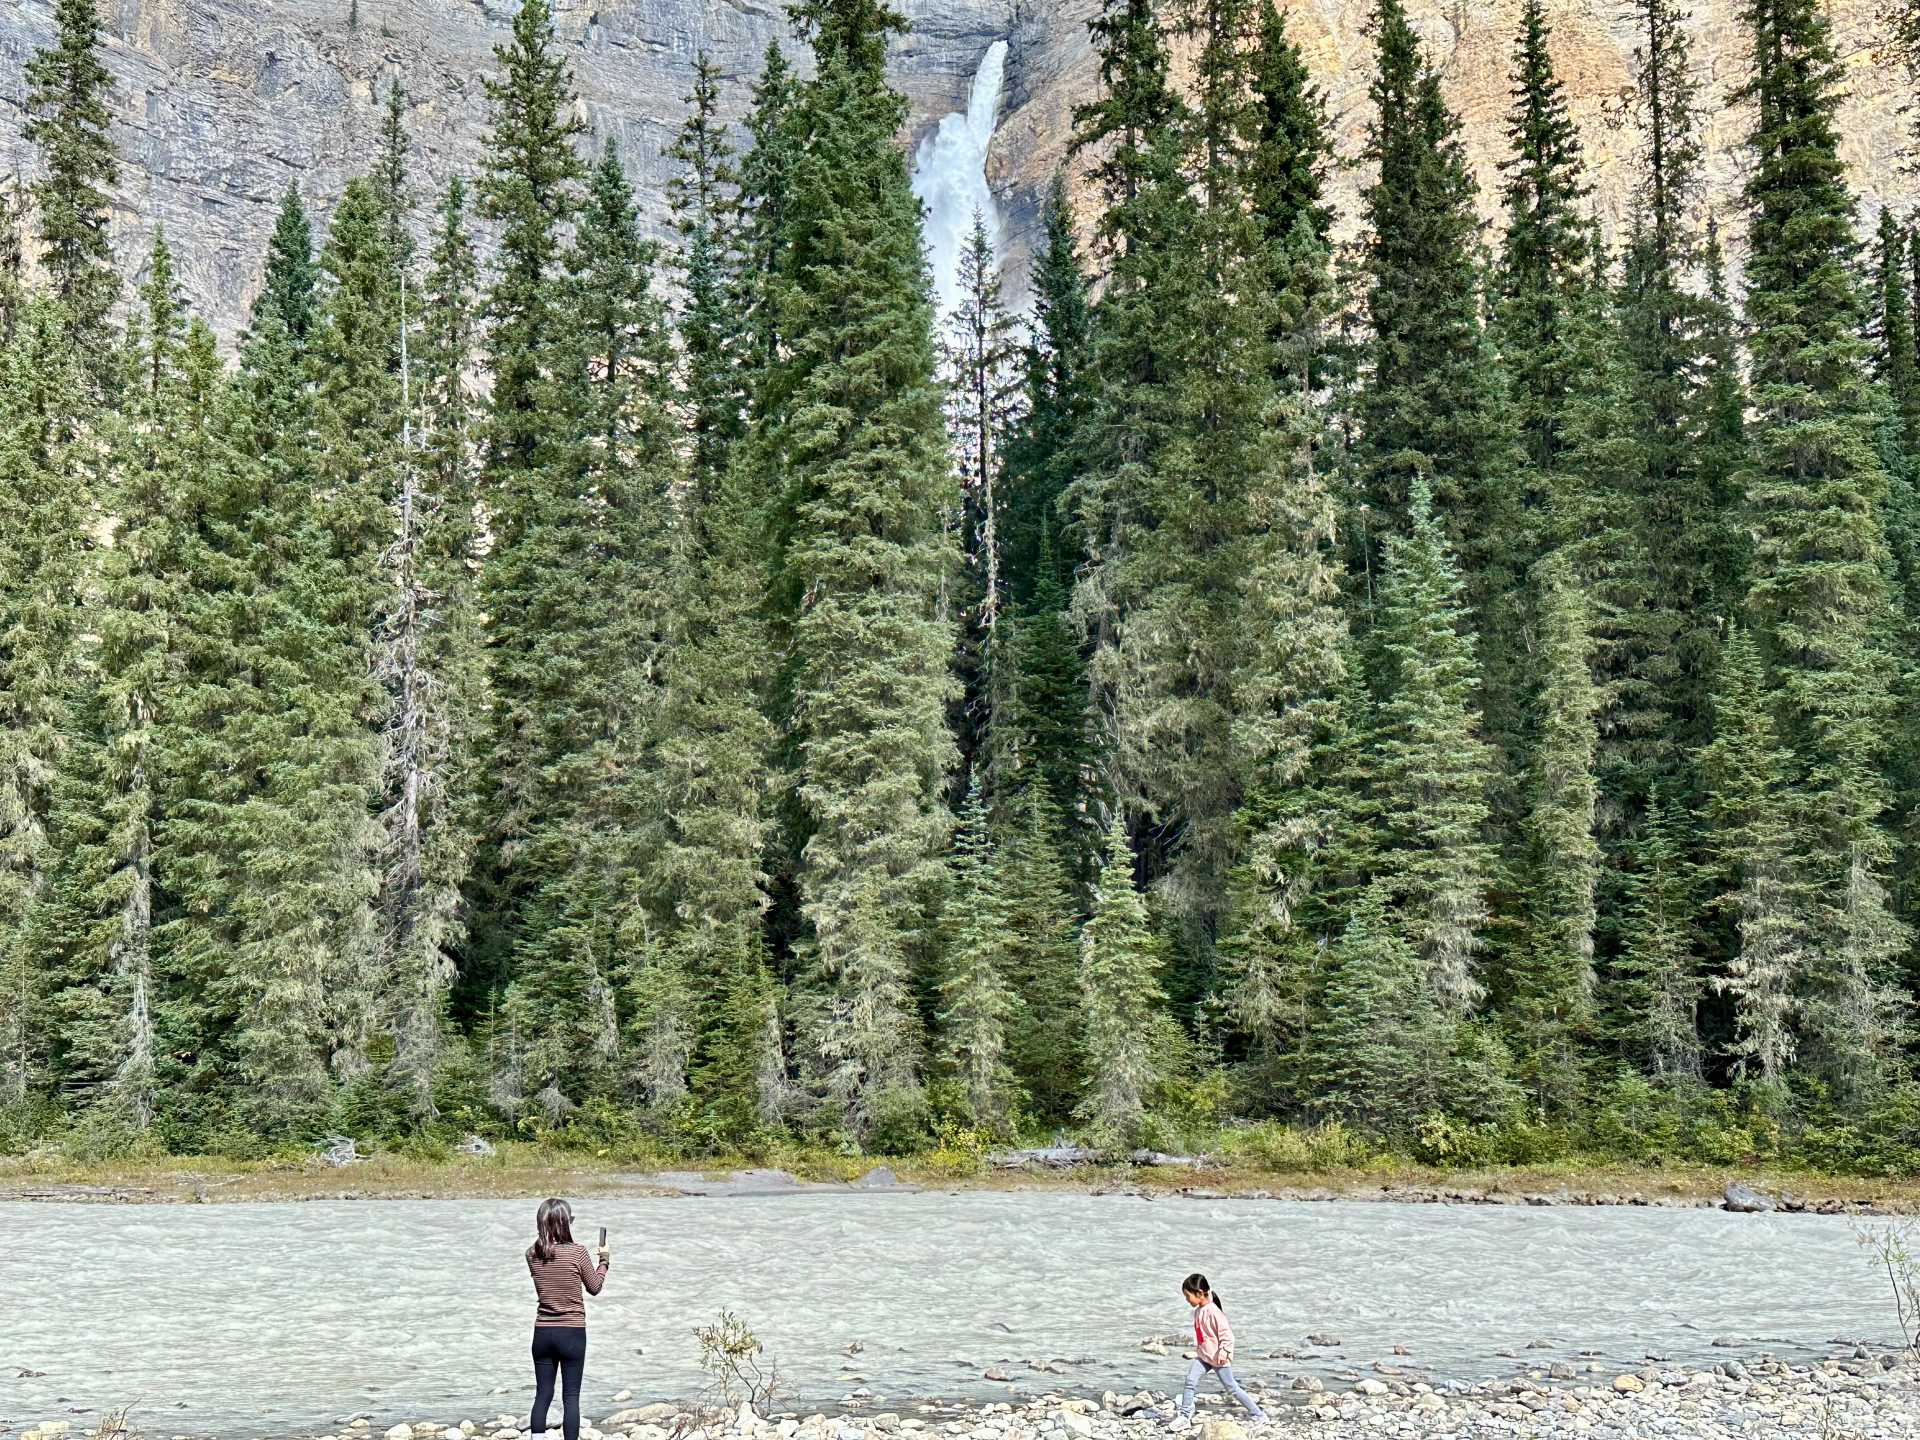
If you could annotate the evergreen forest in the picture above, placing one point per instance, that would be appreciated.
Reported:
(1453, 689)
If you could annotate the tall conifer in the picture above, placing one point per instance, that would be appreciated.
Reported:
(1816, 490)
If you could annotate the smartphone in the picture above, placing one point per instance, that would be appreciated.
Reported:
(603, 1237)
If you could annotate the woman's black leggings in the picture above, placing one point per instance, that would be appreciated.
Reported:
(562, 1348)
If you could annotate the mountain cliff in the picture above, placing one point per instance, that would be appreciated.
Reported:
(223, 103)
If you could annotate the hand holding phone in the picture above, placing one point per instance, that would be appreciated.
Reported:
(603, 1245)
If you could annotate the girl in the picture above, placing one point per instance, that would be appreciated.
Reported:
(1213, 1339)
(560, 1271)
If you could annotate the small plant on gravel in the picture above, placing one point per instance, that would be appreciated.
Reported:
(735, 1365)
(114, 1425)
(1895, 1248)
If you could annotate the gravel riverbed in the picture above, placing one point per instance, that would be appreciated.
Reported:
(1862, 1395)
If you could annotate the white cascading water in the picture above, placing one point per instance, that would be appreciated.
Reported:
(950, 177)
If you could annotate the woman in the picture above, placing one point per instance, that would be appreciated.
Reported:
(560, 1270)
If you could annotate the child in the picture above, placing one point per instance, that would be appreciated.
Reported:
(1213, 1339)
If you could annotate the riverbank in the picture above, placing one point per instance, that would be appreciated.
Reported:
(523, 1171)
(1860, 1395)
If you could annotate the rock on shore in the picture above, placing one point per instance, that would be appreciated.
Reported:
(1864, 1397)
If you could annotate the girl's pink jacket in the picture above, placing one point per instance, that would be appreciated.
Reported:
(1213, 1336)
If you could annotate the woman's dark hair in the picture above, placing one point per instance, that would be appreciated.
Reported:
(1196, 1284)
(552, 1228)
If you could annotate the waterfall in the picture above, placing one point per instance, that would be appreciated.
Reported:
(950, 178)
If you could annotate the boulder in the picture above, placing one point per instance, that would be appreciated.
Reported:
(1742, 1200)
(400, 1432)
(1223, 1429)
(1628, 1384)
(658, 1414)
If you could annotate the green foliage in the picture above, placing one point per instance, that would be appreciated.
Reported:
(855, 433)
(69, 91)
(1465, 705)
(1120, 961)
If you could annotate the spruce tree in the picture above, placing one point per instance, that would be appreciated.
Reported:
(980, 350)
(1815, 488)
(976, 1010)
(705, 200)
(93, 935)
(45, 497)
(1121, 995)
(1432, 405)
(1430, 767)
(1372, 1052)
(430, 661)
(1550, 983)
(1544, 250)
(854, 419)
(1896, 358)
(766, 200)
(581, 581)
(1042, 960)
(1758, 881)
(1041, 451)
(530, 189)
(711, 763)
(1655, 983)
(68, 95)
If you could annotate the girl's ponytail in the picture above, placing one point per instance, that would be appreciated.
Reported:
(1196, 1284)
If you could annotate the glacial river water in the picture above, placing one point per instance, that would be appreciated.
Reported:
(259, 1320)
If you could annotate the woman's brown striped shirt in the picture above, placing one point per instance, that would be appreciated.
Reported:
(557, 1283)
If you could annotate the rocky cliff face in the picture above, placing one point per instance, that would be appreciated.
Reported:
(223, 103)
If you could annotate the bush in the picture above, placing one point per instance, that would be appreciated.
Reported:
(1290, 1149)
(101, 1133)
(899, 1124)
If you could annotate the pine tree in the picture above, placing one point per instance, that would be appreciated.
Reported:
(1550, 984)
(1120, 990)
(1758, 881)
(855, 422)
(1290, 150)
(705, 200)
(68, 96)
(1430, 766)
(1135, 130)
(256, 1036)
(976, 1010)
(1819, 593)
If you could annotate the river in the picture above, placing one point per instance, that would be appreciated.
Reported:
(253, 1320)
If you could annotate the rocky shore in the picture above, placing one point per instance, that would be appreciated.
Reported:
(1858, 1395)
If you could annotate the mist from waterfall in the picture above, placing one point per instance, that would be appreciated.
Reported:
(950, 178)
